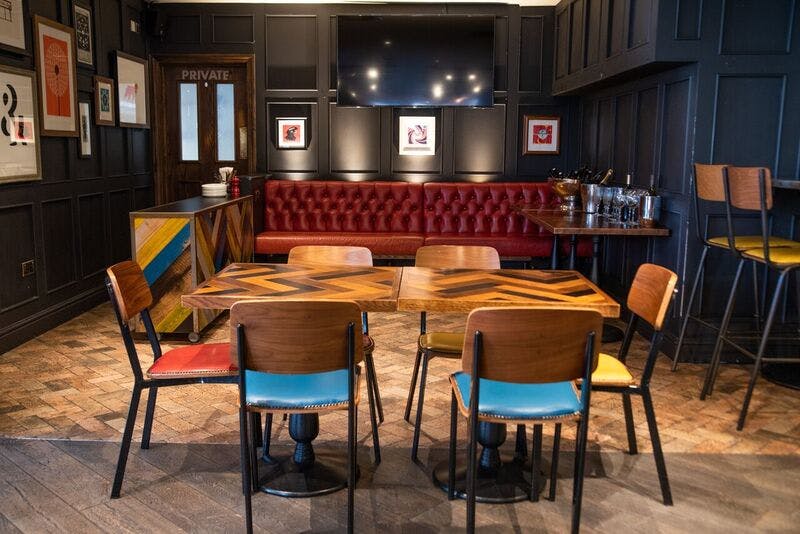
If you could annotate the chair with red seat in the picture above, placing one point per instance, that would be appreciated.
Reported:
(210, 363)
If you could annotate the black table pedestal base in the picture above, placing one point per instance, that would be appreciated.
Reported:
(511, 482)
(783, 374)
(286, 478)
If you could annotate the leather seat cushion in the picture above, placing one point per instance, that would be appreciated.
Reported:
(784, 256)
(379, 243)
(212, 359)
(445, 342)
(611, 372)
(508, 400)
(273, 391)
(752, 241)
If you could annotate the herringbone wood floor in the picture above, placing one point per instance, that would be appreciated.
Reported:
(71, 387)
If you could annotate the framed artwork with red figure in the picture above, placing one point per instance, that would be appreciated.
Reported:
(132, 83)
(542, 134)
(291, 133)
(55, 67)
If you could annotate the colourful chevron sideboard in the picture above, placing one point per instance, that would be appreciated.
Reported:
(182, 244)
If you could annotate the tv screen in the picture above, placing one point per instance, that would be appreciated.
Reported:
(395, 60)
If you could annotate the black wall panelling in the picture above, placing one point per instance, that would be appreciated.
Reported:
(74, 222)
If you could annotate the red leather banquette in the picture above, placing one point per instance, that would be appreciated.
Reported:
(396, 218)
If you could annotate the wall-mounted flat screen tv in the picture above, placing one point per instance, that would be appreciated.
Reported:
(426, 61)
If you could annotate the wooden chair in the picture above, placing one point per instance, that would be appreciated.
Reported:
(519, 366)
(750, 189)
(354, 256)
(131, 297)
(649, 299)
(441, 344)
(709, 189)
(285, 369)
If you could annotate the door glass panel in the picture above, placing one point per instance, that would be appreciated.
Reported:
(226, 140)
(188, 103)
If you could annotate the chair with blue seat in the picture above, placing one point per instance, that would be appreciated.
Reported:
(193, 364)
(519, 366)
(441, 344)
(284, 369)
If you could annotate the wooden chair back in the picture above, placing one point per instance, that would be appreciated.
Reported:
(130, 288)
(531, 344)
(709, 182)
(457, 256)
(295, 337)
(331, 255)
(651, 293)
(744, 185)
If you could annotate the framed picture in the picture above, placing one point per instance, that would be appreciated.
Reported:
(417, 135)
(12, 25)
(82, 21)
(291, 133)
(55, 66)
(103, 101)
(86, 130)
(541, 134)
(132, 83)
(19, 126)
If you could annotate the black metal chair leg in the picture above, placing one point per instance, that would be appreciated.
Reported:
(127, 435)
(536, 461)
(257, 422)
(267, 441)
(254, 434)
(658, 454)
(370, 362)
(756, 299)
(244, 452)
(472, 473)
(148, 417)
(716, 356)
(521, 445)
(420, 404)
(373, 417)
(762, 348)
(580, 465)
(631, 430)
(451, 456)
(352, 463)
(688, 312)
(413, 386)
(554, 461)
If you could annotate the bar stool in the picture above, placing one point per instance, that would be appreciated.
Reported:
(193, 364)
(709, 188)
(750, 189)
(296, 357)
(356, 256)
(441, 344)
(519, 366)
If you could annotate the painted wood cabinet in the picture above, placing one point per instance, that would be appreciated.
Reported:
(180, 245)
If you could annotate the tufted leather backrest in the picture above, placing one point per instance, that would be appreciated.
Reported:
(338, 206)
(473, 208)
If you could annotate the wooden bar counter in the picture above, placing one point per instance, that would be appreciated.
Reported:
(182, 244)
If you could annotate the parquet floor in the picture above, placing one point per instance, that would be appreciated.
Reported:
(70, 388)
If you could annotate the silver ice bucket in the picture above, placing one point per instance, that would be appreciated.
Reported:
(649, 210)
(591, 195)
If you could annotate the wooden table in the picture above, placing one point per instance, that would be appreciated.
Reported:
(576, 224)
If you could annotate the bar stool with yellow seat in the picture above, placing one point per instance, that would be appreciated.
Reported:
(441, 344)
(193, 364)
(283, 369)
(359, 257)
(710, 189)
(519, 365)
(750, 189)
(649, 299)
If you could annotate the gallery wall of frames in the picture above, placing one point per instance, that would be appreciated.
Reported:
(74, 159)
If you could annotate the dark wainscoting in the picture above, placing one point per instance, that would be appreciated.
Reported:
(295, 49)
(74, 222)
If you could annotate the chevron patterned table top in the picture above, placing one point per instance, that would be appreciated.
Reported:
(372, 288)
(462, 290)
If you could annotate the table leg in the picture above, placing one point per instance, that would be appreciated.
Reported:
(554, 254)
(595, 276)
(573, 251)
(498, 480)
(307, 472)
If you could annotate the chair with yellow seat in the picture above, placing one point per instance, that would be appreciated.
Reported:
(709, 190)
(441, 344)
(648, 299)
(359, 257)
(750, 189)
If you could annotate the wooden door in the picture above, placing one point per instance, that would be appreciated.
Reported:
(204, 116)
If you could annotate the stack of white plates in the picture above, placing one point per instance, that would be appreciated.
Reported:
(215, 190)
